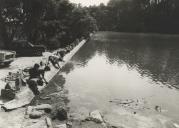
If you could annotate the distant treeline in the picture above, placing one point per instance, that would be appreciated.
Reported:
(159, 16)
(54, 23)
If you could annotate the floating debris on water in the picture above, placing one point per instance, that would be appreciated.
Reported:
(136, 104)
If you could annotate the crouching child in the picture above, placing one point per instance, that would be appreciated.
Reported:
(36, 78)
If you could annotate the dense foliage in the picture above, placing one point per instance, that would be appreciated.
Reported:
(161, 16)
(54, 23)
(57, 23)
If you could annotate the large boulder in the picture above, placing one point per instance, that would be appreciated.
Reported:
(45, 107)
(36, 114)
(96, 117)
(49, 122)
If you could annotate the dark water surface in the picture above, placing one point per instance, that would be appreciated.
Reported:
(118, 71)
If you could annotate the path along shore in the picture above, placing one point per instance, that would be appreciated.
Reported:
(16, 116)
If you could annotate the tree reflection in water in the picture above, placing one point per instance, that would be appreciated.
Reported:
(152, 55)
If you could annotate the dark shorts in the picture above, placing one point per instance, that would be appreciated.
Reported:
(33, 86)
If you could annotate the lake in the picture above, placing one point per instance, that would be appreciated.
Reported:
(133, 79)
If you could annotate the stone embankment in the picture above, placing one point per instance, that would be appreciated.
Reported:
(21, 112)
(49, 109)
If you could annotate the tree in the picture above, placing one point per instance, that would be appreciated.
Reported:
(34, 11)
(49, 22)
(138, 16)
(20, 18)
(11, 18)
(82, 23)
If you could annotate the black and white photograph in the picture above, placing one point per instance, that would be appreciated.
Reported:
(89, 63)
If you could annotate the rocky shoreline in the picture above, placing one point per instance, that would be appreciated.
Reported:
(50, 109)
(57, 97)
(39, 112)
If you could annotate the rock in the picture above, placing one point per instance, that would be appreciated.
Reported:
(62, 114)
(39, 124)
(49, 122)
(29, 110)
(46, 107)
(104, 125)
(176, 125)
(69, 124)
(61, 126)
(96, 117)
(35, 114)
(33, 109)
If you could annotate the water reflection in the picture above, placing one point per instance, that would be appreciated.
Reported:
(68, 68)
(124, 66)
(153, 56)
(85, 54)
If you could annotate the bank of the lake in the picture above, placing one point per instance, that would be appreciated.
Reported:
(17, 117)
(115, 80)
(129, 78)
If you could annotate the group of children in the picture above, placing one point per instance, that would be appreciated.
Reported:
(34, 76)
